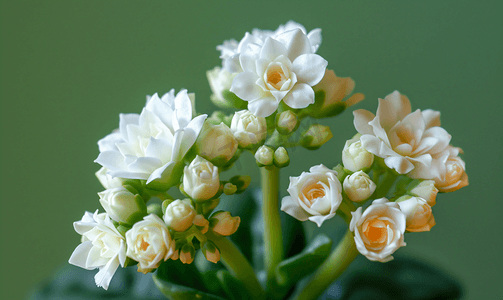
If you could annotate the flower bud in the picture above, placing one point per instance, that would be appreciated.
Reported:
(455, 175)
(122, 205)
(179, 215)
(216, 143)
(358, 186)
(417, 212)
(355, 157)
(187, 254)
(223, 223)
(176, 255)
(201, 223)
(264, 156)
(426, 190)
(248, 129)
(230, 189)
(220, 81)
(211, 252)
(107, 181)
(200, 179)
(315, 136)
(286, 122)
(281, 158)
(241, 182)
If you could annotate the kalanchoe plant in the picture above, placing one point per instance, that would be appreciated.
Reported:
(386, 186)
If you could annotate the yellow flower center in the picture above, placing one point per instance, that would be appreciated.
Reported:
(376, 231)
(313, 192)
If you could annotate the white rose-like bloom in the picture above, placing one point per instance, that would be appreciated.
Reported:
(107, 181)
(248, 129)
(149, 243)
(121, 205)
(285, 69)
(102, 247)
(149, 146)
(379, 231)
(231, 49)
(179, 215)
(355, 157)
(412, 143)
(417, 212)
(200, 179)
(455, 175)
(314, 196)
(358, 186)
(426, 190)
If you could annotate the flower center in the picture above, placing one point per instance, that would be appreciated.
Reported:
(376, 231)
(144, 245)
(276, 76)
(313, 192)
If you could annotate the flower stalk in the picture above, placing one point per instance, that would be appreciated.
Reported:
(273, 238)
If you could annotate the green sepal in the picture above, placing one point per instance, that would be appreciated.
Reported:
(342, 172)
(332, 110)
(123, 229)
(234, 100)
(137, 216)
(134, 183)
(165, 204)
(165, 184)
(209, 206)
(155, 208)
(232, 286)
(131, 189)
(291, 270)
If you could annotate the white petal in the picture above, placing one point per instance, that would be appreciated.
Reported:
(296, 43)
(79, 255)
(431, 118)
(393, 108)
(272, 49)
(183, 108)
(162, 110)
(293, 209)
(309, 68)
(400, 164)
(263, 107)
(126, 119)
(247, 59)
(160, 149)
(162, 173)
(108, 143)
(190, 133)
(371, 144)
(144, 165)
(320, 219)
(361, 121)
(244, 86)
(231, 64)
(314, 37)
(442, 136)
(111, 160)
(300, 96)
(104, 276)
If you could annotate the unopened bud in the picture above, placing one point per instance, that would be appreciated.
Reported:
(419, 216)
(315, 136)
(230, 189)
(187, 254)
(426, 190)
(286, 122)
(201, 223)
(358, 186)
(281, 158)
(122, 205)
(216, 143)
(355, 157)
(179, 215)
(241, 182)
(211, 252)
(224, 224)
(264, 156)
(175, 255)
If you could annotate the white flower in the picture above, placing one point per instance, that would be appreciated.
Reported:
(314, 196)
(285, 68)
(216, 143)
(149, 243)
(379, 231)
(102, 247)
(358, 186)
(231, 49)
(220, 80)
(223, 223)
(200, 179)
(149, 146)
(417, 212)
(355, 157)
(248, 129)
(455, 176)
(426, 190)
(107, 181)
(179, 215)
(411, 143)
(122, 205)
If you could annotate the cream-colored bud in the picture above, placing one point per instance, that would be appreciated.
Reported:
(248, 129)
(220, 80)
(122, 205)
(107, 181)
(281, 158)
(224, 224)
(418, 213)
(201, 223)
(201, 179)
(187, 254)
(315, 136)
(355, 157)
(211, 252)
(179, 215)
(264, 156)
(426, 190)
(358, 186)
(286, 122)
(216, 143)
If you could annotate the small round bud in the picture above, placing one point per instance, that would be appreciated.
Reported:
(176, 255)
(419, 216)
(241, 182)
(179, 215)
(230, 189)
(248, 129)
(315, 136)
(187, 254)
(122, 205)
(201, 223)
(216, 143)
(211, 252)
(220, 81)
(358, 186)
(355, 157)
(264, 156)
(426, 190)
(281, 158)
(107, 181)
(223, 223)
(200, 179)
(286, 122)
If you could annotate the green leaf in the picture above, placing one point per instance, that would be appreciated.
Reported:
(175, 291)
(296, 267)
(232, 287)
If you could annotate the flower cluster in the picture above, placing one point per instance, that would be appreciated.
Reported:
(396, 146)
(277, 87)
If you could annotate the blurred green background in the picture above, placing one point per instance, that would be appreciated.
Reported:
(68, 68)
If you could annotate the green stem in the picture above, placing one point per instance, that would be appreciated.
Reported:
(239, 267)
(273, 238)
(331, 269)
